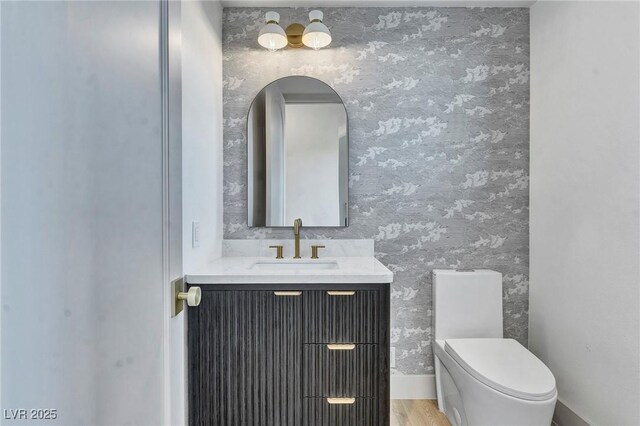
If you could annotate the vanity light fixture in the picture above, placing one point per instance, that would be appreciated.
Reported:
(272, 36)
(316, 35)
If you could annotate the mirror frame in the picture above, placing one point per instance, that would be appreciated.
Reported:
(347, 207)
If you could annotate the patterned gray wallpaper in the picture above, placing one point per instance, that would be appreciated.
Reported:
(438, 103)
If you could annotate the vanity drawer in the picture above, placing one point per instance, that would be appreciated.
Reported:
(357, 412)
(342, 316)
(341, 370)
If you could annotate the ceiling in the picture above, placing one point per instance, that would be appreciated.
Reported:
(377, 3)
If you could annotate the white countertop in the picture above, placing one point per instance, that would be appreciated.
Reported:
(242, 270)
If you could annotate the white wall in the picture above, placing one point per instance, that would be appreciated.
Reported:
(274, 112)
(201, 161)
(312, 156)
(202, 129)
(585, 185)
(82, 212)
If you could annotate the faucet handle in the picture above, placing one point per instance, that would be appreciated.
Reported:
(278, 251)
(314, 251)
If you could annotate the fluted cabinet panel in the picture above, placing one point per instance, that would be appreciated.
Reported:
(342, 318)
(257, 359)
(341, 373)
(245, 355)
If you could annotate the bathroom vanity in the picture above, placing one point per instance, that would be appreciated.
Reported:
(291, 333)
(283, 342)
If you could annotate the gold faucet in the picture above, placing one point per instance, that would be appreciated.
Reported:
(297, 224)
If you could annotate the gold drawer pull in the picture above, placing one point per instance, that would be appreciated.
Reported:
(341, 293)
(341, 346)
(341, 400)
(287, 293)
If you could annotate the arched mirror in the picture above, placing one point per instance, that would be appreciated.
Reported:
(298, 155)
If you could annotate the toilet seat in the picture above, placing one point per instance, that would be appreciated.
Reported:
(504, 365)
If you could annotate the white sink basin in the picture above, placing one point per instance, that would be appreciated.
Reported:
(295, 266)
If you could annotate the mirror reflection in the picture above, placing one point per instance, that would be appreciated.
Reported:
(298, 152)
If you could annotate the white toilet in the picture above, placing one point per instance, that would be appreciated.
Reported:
(481, 378)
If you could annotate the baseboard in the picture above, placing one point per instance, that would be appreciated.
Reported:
(564, 416)
(413, 386)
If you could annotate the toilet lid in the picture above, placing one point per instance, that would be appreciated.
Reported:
(504, 365)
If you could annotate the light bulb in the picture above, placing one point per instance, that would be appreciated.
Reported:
(272, 36)
(315, 43)
(316, 35)
(270, 41)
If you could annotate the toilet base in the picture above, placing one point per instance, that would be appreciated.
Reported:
(467, 401)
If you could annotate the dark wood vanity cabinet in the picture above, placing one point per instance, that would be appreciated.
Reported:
(289, 355)
(243, 347)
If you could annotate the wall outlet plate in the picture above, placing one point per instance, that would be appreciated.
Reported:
(392, 357)
(195, 234)
(177, 305)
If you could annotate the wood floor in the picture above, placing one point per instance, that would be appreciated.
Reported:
(416, 412)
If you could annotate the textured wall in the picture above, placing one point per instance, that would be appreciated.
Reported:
(438, 103)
